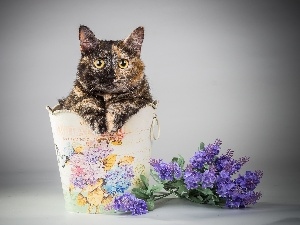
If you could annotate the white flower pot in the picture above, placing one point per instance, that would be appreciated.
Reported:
(95, 168)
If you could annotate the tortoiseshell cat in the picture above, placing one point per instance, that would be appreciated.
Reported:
(110, 85)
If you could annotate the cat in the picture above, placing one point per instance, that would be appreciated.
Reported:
(110, 85)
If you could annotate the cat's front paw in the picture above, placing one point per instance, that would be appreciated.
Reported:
(100, 130)
(99, 127)
(111, 122)
(112, 127)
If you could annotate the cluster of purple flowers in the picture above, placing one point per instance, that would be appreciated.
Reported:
(196, 174)
(208, 170)
(166, 171)
(129, 203)
(206, 156)
(192, 178)
(240, 192)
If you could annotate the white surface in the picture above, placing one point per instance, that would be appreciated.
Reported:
(37, 199)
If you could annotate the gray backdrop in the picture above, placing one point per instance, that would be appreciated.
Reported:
(220, 69)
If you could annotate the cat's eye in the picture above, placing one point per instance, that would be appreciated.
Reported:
(123, 63)
(99, 63)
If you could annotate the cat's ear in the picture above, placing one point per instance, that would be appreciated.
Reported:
(87, 39)
(135, 39)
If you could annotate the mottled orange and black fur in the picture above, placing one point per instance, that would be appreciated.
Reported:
(110, 85)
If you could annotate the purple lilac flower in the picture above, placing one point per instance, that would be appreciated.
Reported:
(206, 156)
(236, 197)
(214, 149)
(199, 159)
(243, 160)
(224, 175)
(118, 180)
(235, 202)
(225, 188)
(252, 198)
(208, 179)
(240, 199)
(249, 181)
(129, 203)
(191, 178)
(177, 171)
(228, 164)
(240, 192)
(166, 171)
(223, 183)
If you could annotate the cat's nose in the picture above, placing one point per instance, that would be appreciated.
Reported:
(111, 76)
(107, 78)
(108, 74)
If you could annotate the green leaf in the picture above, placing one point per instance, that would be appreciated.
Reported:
(140, 193)
(181, 188)
(144, 180)
(205, 191)
(180, 160)
(215, 198)
(157, 187)
(210, 199)
(155, 176)
(175, 159)
(150, 204)
(201, 146)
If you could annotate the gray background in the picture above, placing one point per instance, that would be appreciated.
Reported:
(220, 69)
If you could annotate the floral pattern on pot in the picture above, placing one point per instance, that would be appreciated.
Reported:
(97, 175)
(95, 169)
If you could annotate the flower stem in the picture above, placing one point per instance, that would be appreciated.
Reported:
(157, 197)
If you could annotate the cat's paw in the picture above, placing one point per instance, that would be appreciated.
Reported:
(100, 130)
(111, 122)
(112, 127)
(98, 127)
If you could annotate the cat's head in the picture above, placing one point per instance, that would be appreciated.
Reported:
(110, 66)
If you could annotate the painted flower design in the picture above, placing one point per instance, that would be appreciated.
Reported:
(86, 166)
(97, 175)
(118, 179)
